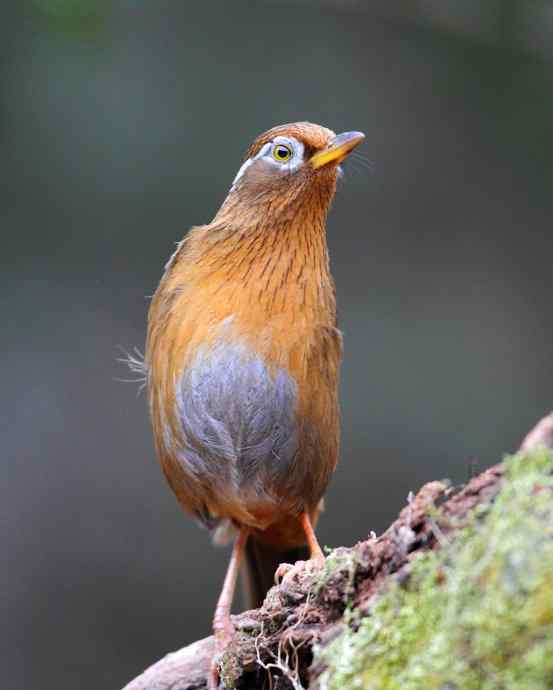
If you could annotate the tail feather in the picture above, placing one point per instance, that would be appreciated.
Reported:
(260, 563)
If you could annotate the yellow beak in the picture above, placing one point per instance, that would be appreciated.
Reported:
(338, 149)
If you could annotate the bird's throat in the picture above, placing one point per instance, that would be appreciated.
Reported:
(266, 275)
(277, 266)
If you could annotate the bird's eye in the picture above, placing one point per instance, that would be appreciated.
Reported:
(282, 153)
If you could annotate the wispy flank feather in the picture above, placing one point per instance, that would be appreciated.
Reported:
(134, 360)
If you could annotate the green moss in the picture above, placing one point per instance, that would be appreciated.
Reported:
(341, 564)
(475, 615)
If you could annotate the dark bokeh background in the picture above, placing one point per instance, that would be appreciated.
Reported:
(123, 125)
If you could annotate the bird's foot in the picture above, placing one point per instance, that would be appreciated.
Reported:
(285, 569)
(223, 629)
(214, 677)
(223, 634)
(281, 572)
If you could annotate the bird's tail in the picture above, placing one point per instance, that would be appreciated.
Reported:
(260, 563)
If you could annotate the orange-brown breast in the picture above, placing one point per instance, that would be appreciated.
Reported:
(271, 288)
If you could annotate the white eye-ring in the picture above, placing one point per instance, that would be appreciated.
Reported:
(284, 153)
(287, 152)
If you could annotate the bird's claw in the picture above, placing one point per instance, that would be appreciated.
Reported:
(281, 572)
(214, 677)
(285, 569)
(223, 634)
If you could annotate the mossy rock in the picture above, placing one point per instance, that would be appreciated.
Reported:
(475, 614)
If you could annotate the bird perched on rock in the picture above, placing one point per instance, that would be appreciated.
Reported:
(243, 358)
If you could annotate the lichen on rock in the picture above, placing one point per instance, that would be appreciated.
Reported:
(475, 613)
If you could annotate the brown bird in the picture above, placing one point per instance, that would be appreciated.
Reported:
(243, 357)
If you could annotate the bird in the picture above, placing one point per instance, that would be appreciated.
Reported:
(242, 361)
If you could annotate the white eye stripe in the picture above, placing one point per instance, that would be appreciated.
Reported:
(246, 164)
(265, 152)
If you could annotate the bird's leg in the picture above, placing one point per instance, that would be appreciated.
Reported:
(316, 554)
(223, 629)
(315, 551)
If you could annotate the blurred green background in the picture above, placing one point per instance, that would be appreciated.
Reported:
(122, 124)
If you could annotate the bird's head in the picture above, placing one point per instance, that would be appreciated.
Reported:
(291, 164)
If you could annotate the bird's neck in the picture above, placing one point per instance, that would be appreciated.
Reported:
(262, 277)
(274, 260)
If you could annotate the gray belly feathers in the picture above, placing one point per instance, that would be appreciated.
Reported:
(238, 418)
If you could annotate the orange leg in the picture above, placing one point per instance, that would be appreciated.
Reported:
(315, 551)
(316, 554)
(223, 629)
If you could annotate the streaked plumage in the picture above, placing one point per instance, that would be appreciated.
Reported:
(243, 352)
